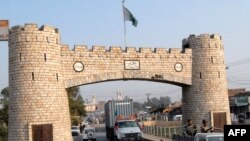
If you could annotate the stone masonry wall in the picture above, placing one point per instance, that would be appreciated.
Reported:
(102, 65)
(37, 96)
(208, 93)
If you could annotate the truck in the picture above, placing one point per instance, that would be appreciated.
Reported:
(120, 121)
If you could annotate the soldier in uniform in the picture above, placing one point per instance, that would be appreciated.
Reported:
(205, 128)
(190, 128)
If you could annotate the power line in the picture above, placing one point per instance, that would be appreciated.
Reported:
(239, 62)
(239, 82)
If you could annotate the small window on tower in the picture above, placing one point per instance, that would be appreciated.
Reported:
(45, 57)
(33, 77)
(20, 57)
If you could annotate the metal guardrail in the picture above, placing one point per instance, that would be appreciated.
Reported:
(174, 133)
(182, 138)
(164, 132)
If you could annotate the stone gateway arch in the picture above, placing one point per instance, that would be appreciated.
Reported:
(41, 68)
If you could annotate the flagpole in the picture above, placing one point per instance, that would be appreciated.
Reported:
(124, 24)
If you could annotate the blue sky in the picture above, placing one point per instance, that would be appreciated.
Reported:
(162, 23)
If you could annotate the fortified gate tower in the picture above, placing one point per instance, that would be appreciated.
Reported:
(38, 105)
(41, 69)
(207, 97)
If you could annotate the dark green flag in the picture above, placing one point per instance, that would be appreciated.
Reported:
(129, 17)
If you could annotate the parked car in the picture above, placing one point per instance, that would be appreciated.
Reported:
(177, 118)
(89, 134)
(209, 137)
(75, 131)
(241, 118)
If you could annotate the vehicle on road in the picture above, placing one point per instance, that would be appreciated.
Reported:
(241, 118)
(127, 129)
(120, 121)
(177, 118)
(209, 137)
(75, 131)
(89, 134)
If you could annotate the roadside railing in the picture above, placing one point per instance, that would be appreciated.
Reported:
(162, 123)
(164, 132)
(182, 138)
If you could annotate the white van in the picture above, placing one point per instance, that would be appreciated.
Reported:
(177, 118)
(209, 137)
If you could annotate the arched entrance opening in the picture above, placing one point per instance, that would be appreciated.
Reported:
(139, 91)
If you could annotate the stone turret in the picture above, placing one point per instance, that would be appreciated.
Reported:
(207, 97)
(38, 99)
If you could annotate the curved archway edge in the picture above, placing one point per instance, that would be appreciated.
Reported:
(128, 75)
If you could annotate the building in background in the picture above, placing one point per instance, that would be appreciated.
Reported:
(239, 102)
(4, 30)
(91, 105)
(100, 105)
(119, 95)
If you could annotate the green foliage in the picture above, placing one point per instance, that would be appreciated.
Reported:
(73, 92)
(5, 92)
(4, 115)
(160, 103)
(138, 106)
(3, 132)
(75, 120)
(76, 105)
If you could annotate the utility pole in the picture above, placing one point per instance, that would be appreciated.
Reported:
(148, 94)
(119, 95)
(148, 107)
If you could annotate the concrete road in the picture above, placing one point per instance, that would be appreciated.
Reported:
(101, 135)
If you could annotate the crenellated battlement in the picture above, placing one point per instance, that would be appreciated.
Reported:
(204, 41)
(205, 36)
(30, 27)
(65, 50)
(32, 33)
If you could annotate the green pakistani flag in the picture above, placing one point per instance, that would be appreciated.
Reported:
(129, 17)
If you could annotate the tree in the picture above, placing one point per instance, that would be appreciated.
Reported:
(165, 101)
(160, 103)
(4, 111)
(138, 106)
(4, 115)
(76, 105)
(5, 92)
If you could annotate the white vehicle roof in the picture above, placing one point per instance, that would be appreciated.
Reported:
(89, 128)
(125, 120)
(178, 116)
(210, 134)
